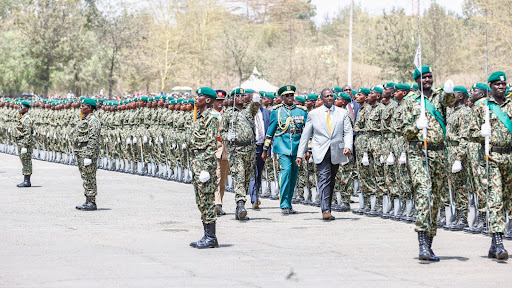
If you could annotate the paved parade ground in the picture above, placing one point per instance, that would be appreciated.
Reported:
(140, 237)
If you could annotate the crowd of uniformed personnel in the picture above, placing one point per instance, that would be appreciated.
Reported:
(174, 139)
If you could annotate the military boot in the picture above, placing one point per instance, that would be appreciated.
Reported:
(497, 249)
(367, 206)
(241, 213)
(210, 239)
(461, 223)
(89, 205)
(378, 208)
(433, 256)
(219, 211)
(26, 182)
(423, 245)
(194, 244)
(442, 217)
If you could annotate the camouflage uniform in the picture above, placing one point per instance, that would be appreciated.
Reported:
(203, 145)
(86, 143)
(500, 162)
(25, 139)
(433, 183)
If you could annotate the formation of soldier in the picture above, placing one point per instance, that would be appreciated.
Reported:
(429, 168)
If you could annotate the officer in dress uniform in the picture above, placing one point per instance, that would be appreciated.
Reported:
(286, 123)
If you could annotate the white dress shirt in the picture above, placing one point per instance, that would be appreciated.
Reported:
(260, 128)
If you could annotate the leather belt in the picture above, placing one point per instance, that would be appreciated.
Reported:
(501, 150)
(81, 144)
(452, 143)
(374, 133)
(389, 135)
(238, 143)
(196, 152)
(430, 147)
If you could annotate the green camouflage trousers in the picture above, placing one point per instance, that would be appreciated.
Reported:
(272, 158)
(403, 175)
(205, 192)
(459, 184)
(500, 189)
(391, 171)
(423, 185)
(344, 181)
(241, 168)
(365, 173)
(302, 180)
(26, 161)
(88, 174)
(377, 151)
(477, 174)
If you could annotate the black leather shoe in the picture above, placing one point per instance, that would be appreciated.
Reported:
(292, 211)
(89, 205)
(433, 256)
(423, 245)
(26, 182)
(327, 216)
(219, 211)
(500, 252)
(194, 244)
(240, 213)
(285, 211)
(210, 241)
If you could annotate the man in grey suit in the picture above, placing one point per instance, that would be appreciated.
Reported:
(331, 135)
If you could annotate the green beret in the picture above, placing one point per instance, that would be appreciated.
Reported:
(336, 89)
(461, 89)
(403, 86)
(300, 98)
(262, 93)
(179, 101)
(424, 69)
(354, 92)
(238, 91)
(191, 101)
(378, 89)
(364, 91)
(389, 85)
(345, 96)
(172, 102)
(497, 76)
(207, 91)
(415, 86)
(313, 97)
(26, 103)
(89, 101)
(269, 95)
(144, 98)
(288, 89)
(249, 91)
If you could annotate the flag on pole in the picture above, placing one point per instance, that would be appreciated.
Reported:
(417, 58)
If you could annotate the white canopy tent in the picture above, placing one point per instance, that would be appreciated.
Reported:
(256, 83)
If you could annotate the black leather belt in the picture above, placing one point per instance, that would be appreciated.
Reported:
(81, 144)
(374, 133)
(389, 135)
(452, 143)
(195, 152)
(238, 143)
(291, 131)
(430, 147)
(501, 150)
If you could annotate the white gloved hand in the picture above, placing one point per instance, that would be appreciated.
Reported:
(311, 159)
(422, 123)
(184, 146)
(448, 86)
(161, 140)
(391, 159)
(204, 176)
(382, 160)
(118, 140)
(54, 136)
(403, 158)
(87, 162)
(105, 140)
(231, 136)
(128, 141)
(256, 98)
(134, 140)
(145, 140)
(486, 130)
(9, 130)
(365, 160)
(48, 134)
(457, 166)
(23, 150)
(67, 136)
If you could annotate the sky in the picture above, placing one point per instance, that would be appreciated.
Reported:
(375, 7)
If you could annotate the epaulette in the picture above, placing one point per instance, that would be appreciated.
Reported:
(438, 89)
(411, 93)
(302, 107)
(277, 106)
